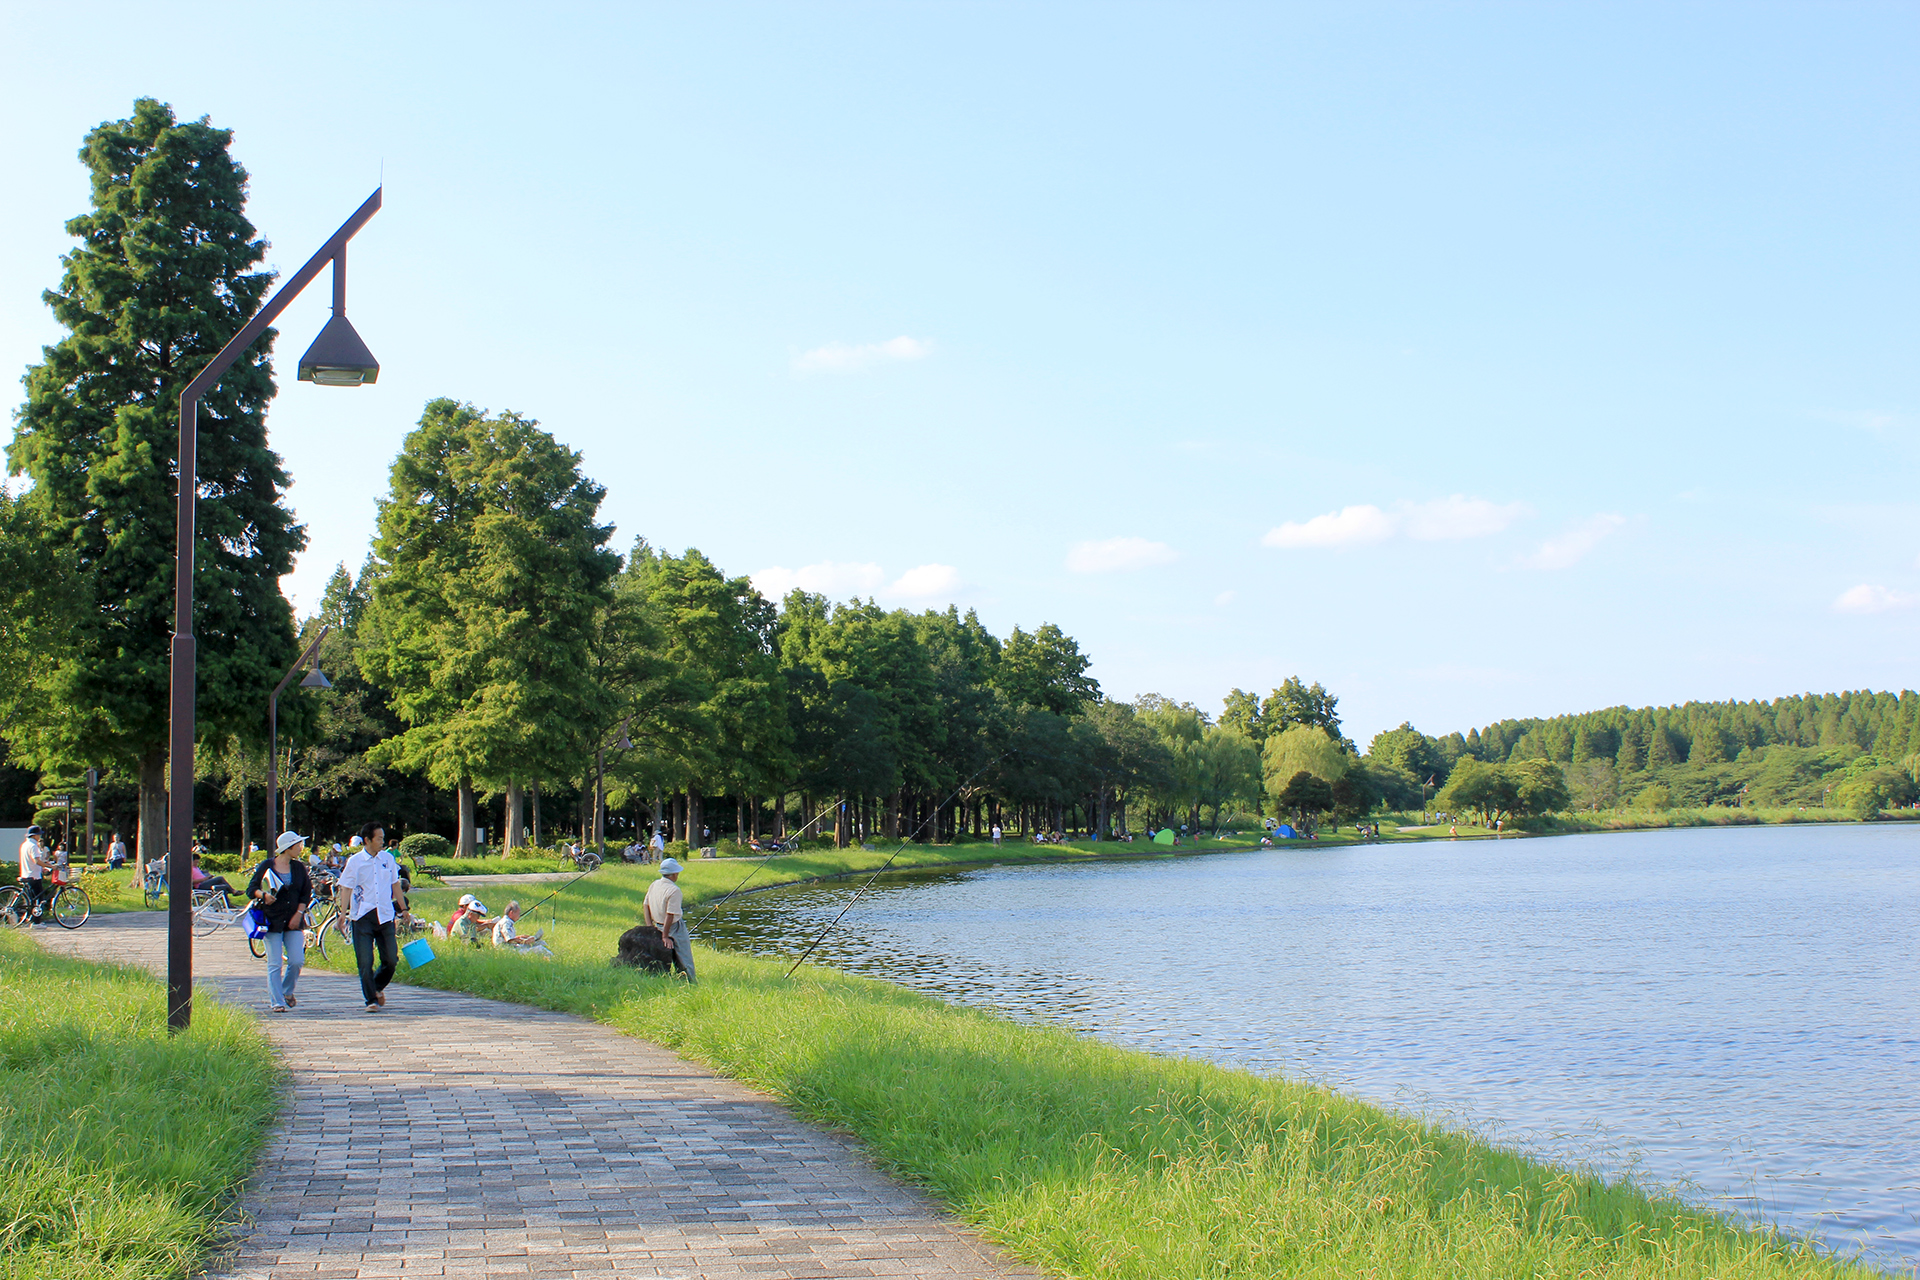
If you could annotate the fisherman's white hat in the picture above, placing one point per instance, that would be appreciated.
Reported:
(670, 867)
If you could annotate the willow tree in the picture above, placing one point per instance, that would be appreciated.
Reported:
(488, 576)
(167, 269)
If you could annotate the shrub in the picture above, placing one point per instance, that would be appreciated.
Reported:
(425, 844)
(98, 888)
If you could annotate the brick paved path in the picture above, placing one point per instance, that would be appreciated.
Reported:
(551, 1146)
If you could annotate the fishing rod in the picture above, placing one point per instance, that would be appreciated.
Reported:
(905, 841)
(771, 855)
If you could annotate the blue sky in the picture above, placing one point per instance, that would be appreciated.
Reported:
(1474, 360)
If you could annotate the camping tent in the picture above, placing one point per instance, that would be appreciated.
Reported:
(1285, 832)
(1163, 836)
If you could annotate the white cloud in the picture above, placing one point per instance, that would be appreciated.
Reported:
(838, 581)
(1439, 520)
(848, 357)
(1446, 519)
(1567, 550)
(826, 578)
(1347, 527)
(926, 581)
(1872, 598)
(1118, 553)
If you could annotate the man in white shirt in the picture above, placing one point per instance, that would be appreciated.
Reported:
(506, 933)
(369, 895)
(665, 913)
(33, 868)
(658, 844)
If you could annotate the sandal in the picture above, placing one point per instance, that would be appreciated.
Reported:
(278, 1008)
(290, 1000)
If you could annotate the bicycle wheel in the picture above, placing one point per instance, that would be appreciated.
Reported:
(71, 907)
(258, 946)
(327, 932)
(13, 907)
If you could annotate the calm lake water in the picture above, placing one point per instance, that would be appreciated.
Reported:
(1734, 1013)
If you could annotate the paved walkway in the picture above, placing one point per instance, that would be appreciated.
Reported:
(545, 1146)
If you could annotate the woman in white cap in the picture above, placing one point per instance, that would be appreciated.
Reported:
(283, 891)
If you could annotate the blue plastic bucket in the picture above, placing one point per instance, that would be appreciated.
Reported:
(417, 952)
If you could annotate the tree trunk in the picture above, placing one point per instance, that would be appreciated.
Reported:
(740, 832)
(463, 848)
(536, 815)
(151, 842)
(246, 825)
(840, 825)
(516, 796)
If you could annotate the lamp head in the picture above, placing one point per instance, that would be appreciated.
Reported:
(338, 358)
(316, 679)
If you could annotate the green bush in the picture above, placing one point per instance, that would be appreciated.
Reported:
(425, 844)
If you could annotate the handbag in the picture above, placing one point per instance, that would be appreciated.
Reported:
(256, 922)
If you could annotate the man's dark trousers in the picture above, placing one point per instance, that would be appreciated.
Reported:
(369, 932)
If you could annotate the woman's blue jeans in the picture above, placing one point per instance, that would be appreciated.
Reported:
(291, 943)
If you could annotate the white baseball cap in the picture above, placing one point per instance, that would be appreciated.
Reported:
(466, 899)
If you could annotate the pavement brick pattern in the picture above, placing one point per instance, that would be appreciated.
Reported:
(490, 1139)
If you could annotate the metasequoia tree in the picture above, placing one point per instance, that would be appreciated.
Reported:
(488, 576)
(166, 271)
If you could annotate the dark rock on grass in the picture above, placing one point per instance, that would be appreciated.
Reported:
(641, 947)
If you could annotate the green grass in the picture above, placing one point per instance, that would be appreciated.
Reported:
(121, 1148)
(1097, 1161)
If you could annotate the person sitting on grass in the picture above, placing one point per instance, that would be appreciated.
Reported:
(469, 922)
(506, 933)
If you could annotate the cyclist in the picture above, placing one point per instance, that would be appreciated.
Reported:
(33, 871)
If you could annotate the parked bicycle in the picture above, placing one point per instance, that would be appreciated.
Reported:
(153, 883)
(66, 905)
(585, 859)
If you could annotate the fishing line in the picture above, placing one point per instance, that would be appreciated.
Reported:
(905, 841)
(771, 855)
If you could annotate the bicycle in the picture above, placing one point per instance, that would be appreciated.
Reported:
(585, 859)
(67, 904)
(154, 883)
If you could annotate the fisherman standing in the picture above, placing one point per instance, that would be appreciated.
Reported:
(666, 913)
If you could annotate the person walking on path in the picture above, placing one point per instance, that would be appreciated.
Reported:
(996, 835)
(284, 890)
(665, 913)
(368, 895)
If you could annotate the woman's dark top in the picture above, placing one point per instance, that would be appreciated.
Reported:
(295, 895)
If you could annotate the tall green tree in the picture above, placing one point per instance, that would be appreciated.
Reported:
(489, 573)
(166, 271)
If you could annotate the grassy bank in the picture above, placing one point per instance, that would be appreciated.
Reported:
(120, 1147)
(1097, 1161)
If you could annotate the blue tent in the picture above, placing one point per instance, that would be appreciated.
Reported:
(1286, 832)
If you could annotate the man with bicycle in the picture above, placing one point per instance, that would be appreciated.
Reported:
(369, 896)
(33, 872)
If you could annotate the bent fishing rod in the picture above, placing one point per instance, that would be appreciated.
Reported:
(771, 855)
(904, 842)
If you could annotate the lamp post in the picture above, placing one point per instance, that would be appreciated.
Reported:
(316, 679)
(337, 358)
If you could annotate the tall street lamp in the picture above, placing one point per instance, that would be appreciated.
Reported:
(337, 358)
(316, 679)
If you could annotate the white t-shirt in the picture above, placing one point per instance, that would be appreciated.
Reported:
(663, 900)
(32, 861)
(659, 841)
(369, 878)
